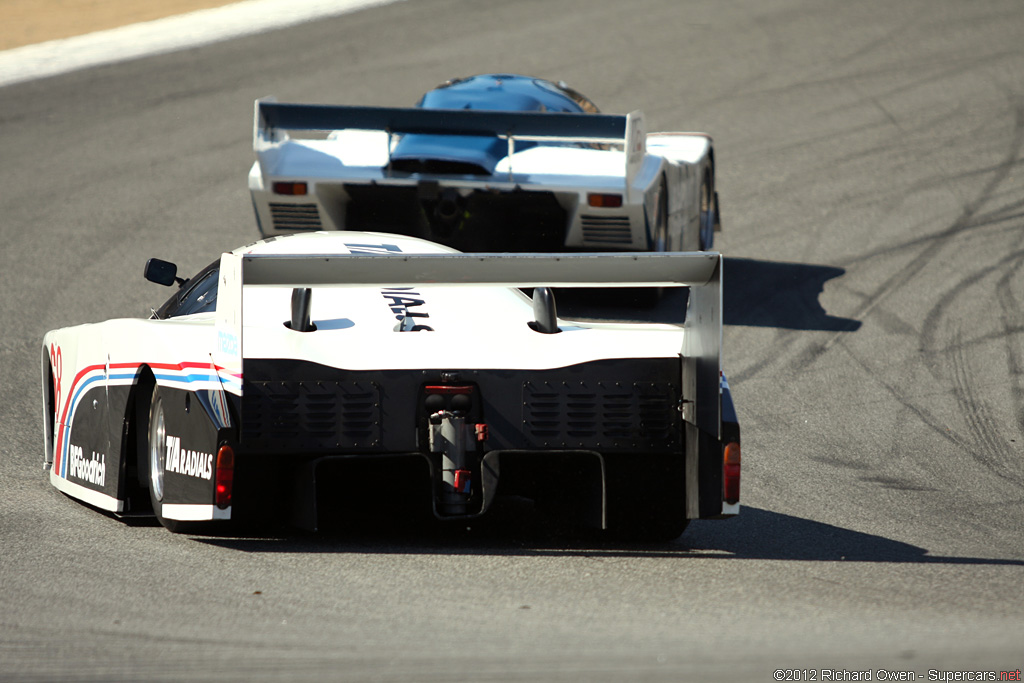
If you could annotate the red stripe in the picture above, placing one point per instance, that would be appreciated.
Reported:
(59, 446)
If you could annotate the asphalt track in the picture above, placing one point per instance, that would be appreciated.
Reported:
(870, 171)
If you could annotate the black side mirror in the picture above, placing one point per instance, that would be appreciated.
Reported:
(162, 272)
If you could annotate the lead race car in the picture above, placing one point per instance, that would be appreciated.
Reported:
(301, 371)
(495, 162)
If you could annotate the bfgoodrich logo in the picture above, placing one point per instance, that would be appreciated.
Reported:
(92, 470)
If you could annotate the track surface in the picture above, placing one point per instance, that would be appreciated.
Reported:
(870, 171)
(34, 21)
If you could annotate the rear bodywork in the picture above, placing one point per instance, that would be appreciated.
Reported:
(332, 363)
(491, 163)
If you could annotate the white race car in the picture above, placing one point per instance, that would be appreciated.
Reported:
(495, 162)
(378, 371)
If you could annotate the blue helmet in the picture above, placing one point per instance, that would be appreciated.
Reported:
(487, 92)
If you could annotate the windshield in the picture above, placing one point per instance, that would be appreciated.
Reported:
(197, 295)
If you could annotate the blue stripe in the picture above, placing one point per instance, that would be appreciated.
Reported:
(99, 376)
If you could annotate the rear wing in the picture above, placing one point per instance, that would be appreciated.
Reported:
(273, 120)
(700, 271)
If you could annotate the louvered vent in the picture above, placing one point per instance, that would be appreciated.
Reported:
(601, 415)
(295, 217)
(612, 230)
(311, 416)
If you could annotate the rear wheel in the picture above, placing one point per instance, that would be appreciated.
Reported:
(707, 215)
(156, 450)
(660, 242)
(648, 297)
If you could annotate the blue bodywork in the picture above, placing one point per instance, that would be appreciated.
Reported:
(489, 92)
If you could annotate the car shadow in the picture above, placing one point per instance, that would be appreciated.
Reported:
(754, 293)
(756, 534)
(775, 294)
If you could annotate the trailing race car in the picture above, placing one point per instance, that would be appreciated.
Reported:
(487, 163)
(316, 369)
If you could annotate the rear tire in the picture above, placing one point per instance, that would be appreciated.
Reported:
(661, 218)
(156, 452)
(648, 297)
(707, 215)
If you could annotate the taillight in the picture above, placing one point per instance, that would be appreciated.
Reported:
(604, 201)
(448, 397)
(225, 476)
(448, 389)
(731, 473)
(292, 188)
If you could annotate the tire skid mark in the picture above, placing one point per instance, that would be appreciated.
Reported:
(989, 447)
(1013, 158)
(922, 414)
(1012, 327)
(783, 339)
(986, 220)
(933, 245)
(938, 313)
(977, 420)
(982, 440)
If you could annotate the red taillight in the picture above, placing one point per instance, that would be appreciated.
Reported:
(604, 201)
(449, 389)
(225, 477)
(291, 188)
(731, 473)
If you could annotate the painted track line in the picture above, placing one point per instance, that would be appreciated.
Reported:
(161, 36)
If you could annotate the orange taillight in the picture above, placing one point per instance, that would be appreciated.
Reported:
(731, 473)
(290, 187)
(604, 201)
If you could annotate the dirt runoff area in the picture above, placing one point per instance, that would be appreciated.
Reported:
(24, 22)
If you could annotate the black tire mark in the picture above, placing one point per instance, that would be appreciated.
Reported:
(990, 448)
(967, 220)
(980, 425)
(1011, 324)
(983, 441)
(985, 444)
(783, 339)
(921, 413)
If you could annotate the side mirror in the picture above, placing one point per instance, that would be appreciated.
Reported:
(162, 272)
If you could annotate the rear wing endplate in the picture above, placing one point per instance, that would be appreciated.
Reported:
(700, 271)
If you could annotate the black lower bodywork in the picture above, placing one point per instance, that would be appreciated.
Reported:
(602, 442)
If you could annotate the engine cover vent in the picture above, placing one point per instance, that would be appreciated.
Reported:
(602, 416)
(311, 416)
(295, 217)
(612, 230)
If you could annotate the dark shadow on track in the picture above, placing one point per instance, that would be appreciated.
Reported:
(517, 530)
(758, 534)
(754, 293)
(785, 295)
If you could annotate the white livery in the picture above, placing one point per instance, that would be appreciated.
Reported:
(488, 163)
(381, 371)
